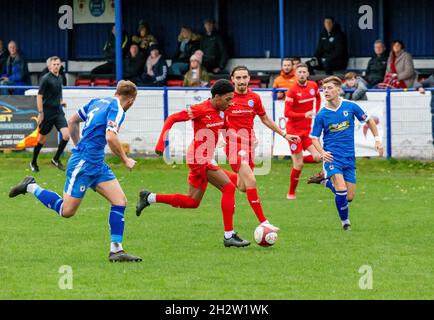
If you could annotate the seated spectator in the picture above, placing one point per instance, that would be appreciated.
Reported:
(332, 51)
(61, 71)
(400, 71)
(428, 83)
(155, 74)
(134, 63)
(4, 54)
(15, 72)
(357, 87)
(214, 50)
(286, 78)
(110, 53)
(144, 39)
(188, 43)
(295, 62)
(377, 65)
(197, 75)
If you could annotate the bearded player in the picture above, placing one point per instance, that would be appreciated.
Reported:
(302, 102)
(241, 140)
(207, 119)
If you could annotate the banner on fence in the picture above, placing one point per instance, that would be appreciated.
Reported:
(94, 11)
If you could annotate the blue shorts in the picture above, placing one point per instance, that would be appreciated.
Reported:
(81, 175)
(344, 166)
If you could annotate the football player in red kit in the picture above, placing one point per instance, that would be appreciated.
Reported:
(302, 102)
(208, 120)
(241, 140)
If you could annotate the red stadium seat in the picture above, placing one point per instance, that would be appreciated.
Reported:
(255, 81)
(175, 83)
(102, 82)
(254, 85)
(114, 83)
(83, 83)
(211, 82)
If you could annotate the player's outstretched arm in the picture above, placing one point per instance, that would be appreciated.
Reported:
(273, 126)
(116, 147)
(74, 128)
(378, 145)
(168, 124)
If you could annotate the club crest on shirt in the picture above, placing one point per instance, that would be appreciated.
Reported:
(251, 103)
(293, 146)
(82, 188)
(346, 113)
(222, 114)
(113, 124)
(332, 167)
(312, 92)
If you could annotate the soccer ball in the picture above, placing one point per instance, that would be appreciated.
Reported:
(264, 236)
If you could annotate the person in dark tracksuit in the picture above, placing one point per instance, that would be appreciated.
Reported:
(50, 108)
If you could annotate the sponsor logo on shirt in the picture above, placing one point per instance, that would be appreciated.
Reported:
(216, 124)
(241, 111)
(336, 127)
(251, 103)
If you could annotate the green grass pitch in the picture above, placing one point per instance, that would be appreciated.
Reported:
(182, 250)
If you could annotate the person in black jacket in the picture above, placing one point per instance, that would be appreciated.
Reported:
(211, 43)
(332, 51)
(188, 43)
(377, 65)
(46, 70)
(133, 63)
(155, 71)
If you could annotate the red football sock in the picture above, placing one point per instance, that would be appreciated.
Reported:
(309, 159)
(178, 200)
(295, 174)
(228, 206)
(232, 176)
(252, 196)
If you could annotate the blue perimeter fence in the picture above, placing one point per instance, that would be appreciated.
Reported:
(274, 94)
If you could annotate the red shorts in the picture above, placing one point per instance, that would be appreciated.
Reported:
(240, 155)
(305, 143)
(197, 175)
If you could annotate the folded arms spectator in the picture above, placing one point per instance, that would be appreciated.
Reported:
(134, 63)
(377, 65)
(400, 71)
(212, 44)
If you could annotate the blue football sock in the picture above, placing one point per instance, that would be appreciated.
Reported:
(117, 223)
(342, 204)
(49, 198)
(330, 185)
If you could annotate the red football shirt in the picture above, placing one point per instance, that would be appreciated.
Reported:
(207, 123)
(299, 100)
(241, 114)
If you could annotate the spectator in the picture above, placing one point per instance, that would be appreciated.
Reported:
(188, 43)
(110, 53)
(332, 51)
(400, 67)
(197, 75)
(286, 78)
(61, 71)
(428, 83)
(357, 87)
(155, 73)
(377, 65)
(4, 54)
(214, 50)
(144, 39)
(134, 63)
(15, 71)
(295, 62)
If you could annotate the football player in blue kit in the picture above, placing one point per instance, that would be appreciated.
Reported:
(86, 168)
(336, 122)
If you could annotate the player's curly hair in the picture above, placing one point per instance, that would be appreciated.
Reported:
(222, 87)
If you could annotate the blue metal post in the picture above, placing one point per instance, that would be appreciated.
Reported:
(381, 20)
(389, 124)
(118, 22)
(282, 29)
(166, 115)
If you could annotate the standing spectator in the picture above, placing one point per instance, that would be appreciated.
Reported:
(428, 83)
(332, 51)
(357, 87)
(134, 63)
(197, 75)
(15, 71)
(4, 54)
(110, 53)
(144, 39)
(295, 62)
(50, 107)
(214, 50)
(286, 78)
(188, 43)
(155, 73)
(377, 65)
(400, 67)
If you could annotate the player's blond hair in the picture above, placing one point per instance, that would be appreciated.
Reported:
(333, 79)
(126, 88)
